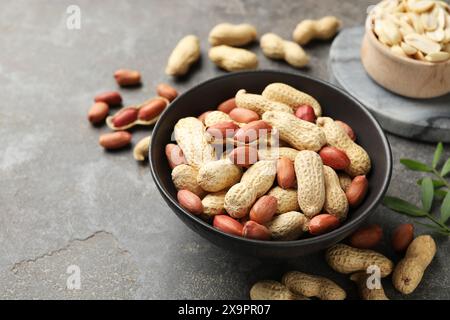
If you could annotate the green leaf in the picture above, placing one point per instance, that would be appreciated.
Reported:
(427, 191)
(436, 183)
(434, 228)
(415, 165)
(440, 194)
(403, 207)
(437, 154)
(446, 168)
(445, 208)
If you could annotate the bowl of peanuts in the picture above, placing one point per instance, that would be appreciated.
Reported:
(269, 163)
(406, 47)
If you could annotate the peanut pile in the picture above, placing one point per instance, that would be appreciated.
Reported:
(269, 166)
(418, 29)
(365, 267)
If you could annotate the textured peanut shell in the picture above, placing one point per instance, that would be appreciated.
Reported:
(323, 29)
(140, 151)
(216, 117)
(271, 290)
(217, 175)
(275, 47)
(337, 137)
(344, 180)
(300, 134)
(260, 176)
(336, 202)
(185, 177)
(360, 278)
(287, 226)
(286, 199)
(232, 34)
(276, 153)
(292, 97)
(239, 199)
(233, 59)
(258, 103)
(191, 137)
(312, 286)
(310, 182)
(345, 259)
(213, 204)
(409, 271)
(183, 56)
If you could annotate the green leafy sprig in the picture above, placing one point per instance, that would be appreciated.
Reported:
(433, 188)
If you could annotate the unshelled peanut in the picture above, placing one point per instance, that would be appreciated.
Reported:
(228, 225)
(292, 97)
(345, 259)
(166, 91)
(193, 141)
(260, 176)
(186, 52)
(185, 177)
(322, 29)
(300, 134)
(402, 237)
(239, 199)
(218, 175)
(286, 199)
(272, 290)
(337, 137)
(213, 204)
(310, 182)
(174, 155)
(288, 226)
(366, 293)
(232, 34)
(233, 59)
(98, 112)
(335, 199)
(258, 103)
(274, 47)
(256, 231)
(274, 153)
(409, 271)
(312, 286)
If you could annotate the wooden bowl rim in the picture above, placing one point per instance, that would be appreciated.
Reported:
(386, 51)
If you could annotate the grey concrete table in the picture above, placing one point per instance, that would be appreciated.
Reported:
(65, 203)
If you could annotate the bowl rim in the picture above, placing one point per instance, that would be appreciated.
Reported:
(274, 244)
(382, 48)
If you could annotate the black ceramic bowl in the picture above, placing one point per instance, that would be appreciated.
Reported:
(335, 103)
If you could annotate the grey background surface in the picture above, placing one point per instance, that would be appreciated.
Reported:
(64, 201)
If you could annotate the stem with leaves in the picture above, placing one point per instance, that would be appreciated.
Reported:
(432, 190)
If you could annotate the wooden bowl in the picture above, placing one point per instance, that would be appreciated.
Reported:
(402, 75)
